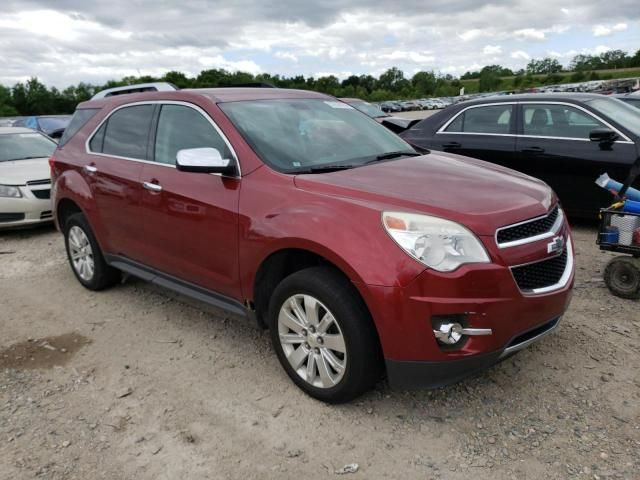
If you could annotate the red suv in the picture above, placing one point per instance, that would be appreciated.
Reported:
(359, 254)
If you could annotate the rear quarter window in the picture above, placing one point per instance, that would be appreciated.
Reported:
(125, 133)
(79, 120)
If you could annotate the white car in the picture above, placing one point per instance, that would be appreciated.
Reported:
(25, 182)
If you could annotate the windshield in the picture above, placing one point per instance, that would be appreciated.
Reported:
(21, 146)
(624, 114)
(53, 123)
(293, 135)
(368, 109)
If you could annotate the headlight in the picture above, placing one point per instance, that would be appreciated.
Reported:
(8, 191)
(439, 244)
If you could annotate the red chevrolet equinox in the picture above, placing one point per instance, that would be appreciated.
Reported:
(361, 255)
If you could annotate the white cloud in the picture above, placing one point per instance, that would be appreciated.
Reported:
(604, 30)
(520, 55)
(492, 50)
(566, 11)
(473, 34)
(286, 56)
(413, 57)
(529, 34)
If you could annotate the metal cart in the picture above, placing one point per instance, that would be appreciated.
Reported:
(620, 232)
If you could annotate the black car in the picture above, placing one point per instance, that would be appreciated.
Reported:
(567, 140)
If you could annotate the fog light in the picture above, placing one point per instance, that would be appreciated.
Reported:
(449, 333)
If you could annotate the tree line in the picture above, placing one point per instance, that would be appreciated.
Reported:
(34, 98)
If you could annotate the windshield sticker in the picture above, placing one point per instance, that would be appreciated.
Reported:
(339, 105)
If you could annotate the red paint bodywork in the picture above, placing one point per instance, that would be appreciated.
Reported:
(216, 232)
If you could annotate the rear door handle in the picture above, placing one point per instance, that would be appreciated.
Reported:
(451, 145)
(533, 150)
(154, 187)
(90, 169)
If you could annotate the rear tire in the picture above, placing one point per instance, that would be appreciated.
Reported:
(622, 276)
(314, 314)
(85, 257)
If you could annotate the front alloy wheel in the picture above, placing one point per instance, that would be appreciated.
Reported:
(323, 334)
(312, 341)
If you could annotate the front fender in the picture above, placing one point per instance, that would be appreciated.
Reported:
(275, 215)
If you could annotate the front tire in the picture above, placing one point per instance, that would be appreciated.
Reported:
(324, 336)
(85, 257)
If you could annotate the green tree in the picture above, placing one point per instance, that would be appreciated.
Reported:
(424, 83)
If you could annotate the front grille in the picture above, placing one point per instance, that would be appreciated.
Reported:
(45, 181)
(42, 194)
(528, 229)
(540, 274)
(46, 215)
(11, 217)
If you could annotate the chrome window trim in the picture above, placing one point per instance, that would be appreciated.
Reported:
(496, 104)
(441, 130)
(161, 102)
(564, 279)
(523, 241)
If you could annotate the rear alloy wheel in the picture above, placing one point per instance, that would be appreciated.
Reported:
(323, 335)
(86, 259)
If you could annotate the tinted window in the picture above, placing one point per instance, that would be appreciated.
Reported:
(127, 132)
(79, 119)
(181, 127)
(96, 143)
(489, 119)
(558, 121)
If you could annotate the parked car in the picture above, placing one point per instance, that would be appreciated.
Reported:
(630, 98)
(24, 177)
(566, 140)
(51, 125)
(390, 107)
(291, 207)
(395, 124)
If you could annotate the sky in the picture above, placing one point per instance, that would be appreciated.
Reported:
(63, 42)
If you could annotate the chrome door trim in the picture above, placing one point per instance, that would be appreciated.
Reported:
(441, 130)
(161, 102)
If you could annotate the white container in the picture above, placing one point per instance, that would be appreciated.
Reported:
(626, 225)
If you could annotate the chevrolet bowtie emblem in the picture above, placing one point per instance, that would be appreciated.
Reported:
(556, 245)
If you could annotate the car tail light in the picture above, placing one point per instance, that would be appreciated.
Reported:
(52, 168)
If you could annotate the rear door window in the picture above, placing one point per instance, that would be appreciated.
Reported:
(490, 119)
(555, 120)
(126, 133)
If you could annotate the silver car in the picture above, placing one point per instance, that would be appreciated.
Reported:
(25, 184)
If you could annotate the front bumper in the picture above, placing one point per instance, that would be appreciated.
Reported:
(480, 296)
(25, 211)
(405, 375)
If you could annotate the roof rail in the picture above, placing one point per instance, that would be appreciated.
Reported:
(136, 88)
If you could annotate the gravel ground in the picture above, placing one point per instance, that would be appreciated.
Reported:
(137, 382)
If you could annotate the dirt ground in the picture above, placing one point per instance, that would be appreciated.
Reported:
(137, 382)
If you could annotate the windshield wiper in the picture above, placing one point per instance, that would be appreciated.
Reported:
(25, 158)
(391, 155)
(323, 169)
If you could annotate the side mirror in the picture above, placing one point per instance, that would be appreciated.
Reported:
(603, 135)
(204, 160)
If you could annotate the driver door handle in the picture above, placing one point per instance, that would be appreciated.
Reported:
(154, 187)
(451, 145)
(90, 169)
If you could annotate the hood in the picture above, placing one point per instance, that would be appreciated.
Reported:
(480, 195)
(19, 172)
